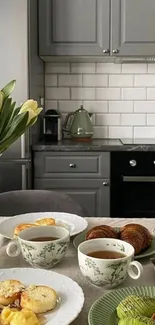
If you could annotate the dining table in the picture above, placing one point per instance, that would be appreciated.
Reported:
(69, 265)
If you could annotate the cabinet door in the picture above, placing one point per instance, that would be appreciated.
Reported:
(73, 27)
(92, 195)
(71, 164)
(133, 27)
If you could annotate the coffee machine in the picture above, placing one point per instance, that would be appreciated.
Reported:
(52, 126)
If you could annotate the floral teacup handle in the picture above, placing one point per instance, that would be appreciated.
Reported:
(13, 249)
(139, 268)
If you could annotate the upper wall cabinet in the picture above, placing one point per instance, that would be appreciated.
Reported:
(74, 27)
(133, 27)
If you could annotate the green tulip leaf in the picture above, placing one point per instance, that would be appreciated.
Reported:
(32, 121)
(19, 122)
(7, 90)
(6, 112)
(8, 120)
(15, 131)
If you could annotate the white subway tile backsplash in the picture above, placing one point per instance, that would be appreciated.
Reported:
(108, 68)
(96, 106)
(94, 80)
(144, 132)
(120, 106)
(133, 119)
(120, 80)
(120, 96)
(151, 93)
(151, 68)
(57, 93)
(133, 93)
(83, 93)
(144, 107)
(100, 132)
(51, 104)
(107, 119)
(145, 80)
(69, 106)
(50, 80)
(134, 68)
(151, 119)
(82, 67)
(57, 67)
(108, 93)
(70, 80)
(120, 132)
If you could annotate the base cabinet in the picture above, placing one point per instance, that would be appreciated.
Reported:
(92, 195)
(83, 176)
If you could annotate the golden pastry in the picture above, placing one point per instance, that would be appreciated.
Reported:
(21, 227)
(39, 299)
(10, 291)
(45, 222)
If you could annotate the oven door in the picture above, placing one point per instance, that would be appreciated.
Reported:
(138, 196)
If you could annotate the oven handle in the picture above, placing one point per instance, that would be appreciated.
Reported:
(142, 179)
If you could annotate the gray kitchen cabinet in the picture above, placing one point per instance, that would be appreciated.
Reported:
(82, 175)
(133, 27)
(72, 164)
(74, 27)
(92, 195)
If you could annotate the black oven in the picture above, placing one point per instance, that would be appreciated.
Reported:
(132, 191)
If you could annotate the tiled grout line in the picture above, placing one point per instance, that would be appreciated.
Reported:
(138, 95)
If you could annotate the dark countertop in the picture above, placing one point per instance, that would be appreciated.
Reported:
(96, 145)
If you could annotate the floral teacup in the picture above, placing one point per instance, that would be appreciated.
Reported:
(108, 272)
(46, 253)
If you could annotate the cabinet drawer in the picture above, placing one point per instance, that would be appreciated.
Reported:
(91, 194)
(50, 164)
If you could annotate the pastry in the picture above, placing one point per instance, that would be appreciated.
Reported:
(39, 299)
(21, 227)
(18, 317)
(137, 235)
(101, 231)
(10, 291)
(134, 305)
(45, 222)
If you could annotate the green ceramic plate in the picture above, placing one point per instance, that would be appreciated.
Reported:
(103, 311)
(148, 252)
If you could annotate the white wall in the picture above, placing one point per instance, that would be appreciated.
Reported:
(122, 97)
(13, 46)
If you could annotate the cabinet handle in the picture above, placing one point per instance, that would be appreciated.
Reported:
(106, 51)
(105, 184)
(72, 165)
(115, 51)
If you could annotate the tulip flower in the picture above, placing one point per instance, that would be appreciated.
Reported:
(1, 99)
(14, 121)
(31, 106)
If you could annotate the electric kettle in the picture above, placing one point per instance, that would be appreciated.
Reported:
(80, 127)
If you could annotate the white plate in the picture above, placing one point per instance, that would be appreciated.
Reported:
(74, 223)
(70, 293)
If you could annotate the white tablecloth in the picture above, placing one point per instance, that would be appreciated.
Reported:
(69, 266)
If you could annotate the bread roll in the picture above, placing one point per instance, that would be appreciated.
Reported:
(10, 291)
(39, 299)
(21, 227)
(137, 235)
(45, 222)
(102, 231)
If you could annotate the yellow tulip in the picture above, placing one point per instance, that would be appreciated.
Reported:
(30, 106)
(1, 99)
